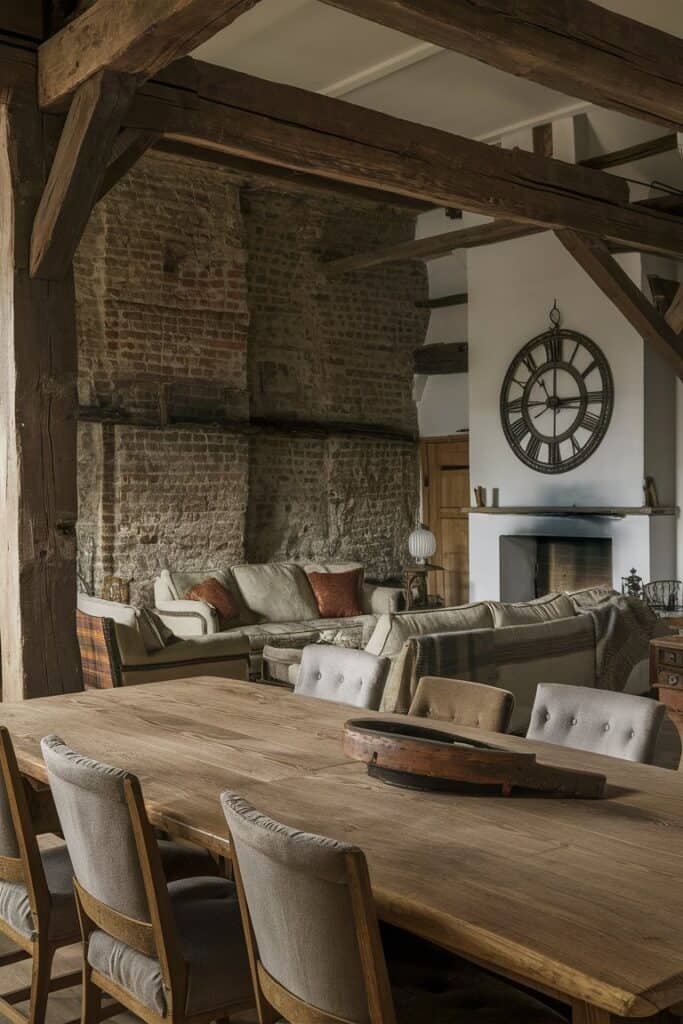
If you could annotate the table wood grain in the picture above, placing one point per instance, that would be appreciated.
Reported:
(579, 898)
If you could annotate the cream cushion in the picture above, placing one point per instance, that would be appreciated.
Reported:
(589, 596)
(392, 631)
(280, 592)
(526, 613)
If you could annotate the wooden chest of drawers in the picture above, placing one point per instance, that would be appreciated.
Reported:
(666, 677)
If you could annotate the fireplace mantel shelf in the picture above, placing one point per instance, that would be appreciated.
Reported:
(571, 510)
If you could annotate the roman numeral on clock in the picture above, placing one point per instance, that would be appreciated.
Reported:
(519, 430)
(590, 422)
(533, 447)
(530, 363)
(515, 405)
(553, 348)
(553, 453)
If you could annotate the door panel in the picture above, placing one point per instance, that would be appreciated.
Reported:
(446, 489)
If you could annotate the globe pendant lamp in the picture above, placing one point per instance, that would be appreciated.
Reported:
(421, 544)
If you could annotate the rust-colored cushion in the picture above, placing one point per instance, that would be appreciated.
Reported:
(215, 594)
(338, 594)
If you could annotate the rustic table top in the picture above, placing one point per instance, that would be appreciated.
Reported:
(582, 898)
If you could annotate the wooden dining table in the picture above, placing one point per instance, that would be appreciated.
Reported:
(579, 899)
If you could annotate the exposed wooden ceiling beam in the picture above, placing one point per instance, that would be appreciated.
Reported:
(575, 46)
(631, 154)
(674, 314)
(261, 175)
(280, 125)
(77, 171)
(129, 146)
(614, 282)
(447, 358)
(135, 37)
(487, 234)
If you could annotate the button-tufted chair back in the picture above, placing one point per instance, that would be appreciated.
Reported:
(617, 724)
(343, 675)
(463, 703)
(91, 804)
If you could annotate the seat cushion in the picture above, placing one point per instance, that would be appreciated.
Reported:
(210, 930)
(15, 907)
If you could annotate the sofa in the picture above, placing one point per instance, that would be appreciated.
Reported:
(276, 606)
(555, 639)
(122, 645)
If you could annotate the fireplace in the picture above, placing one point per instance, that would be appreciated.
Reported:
(531, 566)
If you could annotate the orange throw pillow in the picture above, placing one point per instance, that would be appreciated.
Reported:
(214, 593)
(338, 594)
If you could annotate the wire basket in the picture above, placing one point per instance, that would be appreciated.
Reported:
(664, 596)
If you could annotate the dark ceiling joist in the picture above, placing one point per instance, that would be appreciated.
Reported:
(261, 175)
(487, 234)
(614, 282)
(230, 112)
(446, 358)
(575, 46)
(133, 38)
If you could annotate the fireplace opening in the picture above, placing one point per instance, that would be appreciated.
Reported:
(532, 566)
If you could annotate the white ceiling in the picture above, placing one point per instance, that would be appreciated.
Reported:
(307, 43)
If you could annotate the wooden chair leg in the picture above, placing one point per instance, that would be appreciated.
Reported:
(41, 969)
(91, 999)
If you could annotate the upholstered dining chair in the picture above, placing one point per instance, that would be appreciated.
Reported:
(314, 943)
(168, 952)
(342, 674)
(605, 722)
(463, 703)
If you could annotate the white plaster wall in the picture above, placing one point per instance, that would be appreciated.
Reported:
(442, 399)
(511, 289)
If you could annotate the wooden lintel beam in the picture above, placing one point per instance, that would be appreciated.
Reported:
(593, 255)
(76, 175)
(313, 134)
(674, 314)
(450, 357)
(129, 146)
(574, 46)
(132, 38)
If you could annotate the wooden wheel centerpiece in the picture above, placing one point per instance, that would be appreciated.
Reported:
(417, 757)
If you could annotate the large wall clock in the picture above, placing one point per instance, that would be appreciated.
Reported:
(557, 399)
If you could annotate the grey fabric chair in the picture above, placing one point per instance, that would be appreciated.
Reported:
(617, 724)
(343, 675)
(463, 703)
(315, 948)
(166, 951)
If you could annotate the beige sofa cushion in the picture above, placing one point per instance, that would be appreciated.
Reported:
(526, 613)
(392, 631)
(589, 596)
(277, 591)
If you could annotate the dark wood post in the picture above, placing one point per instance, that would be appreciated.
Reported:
(38, 428)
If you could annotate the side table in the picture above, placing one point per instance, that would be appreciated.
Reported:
(666, 677)
(415, 585)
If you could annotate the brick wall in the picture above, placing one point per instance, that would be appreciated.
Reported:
(214, 296)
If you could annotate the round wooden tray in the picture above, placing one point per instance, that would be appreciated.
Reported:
(417, 757)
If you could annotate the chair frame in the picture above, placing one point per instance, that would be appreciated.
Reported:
(156, 938)
(274, 1001)
(32, 813)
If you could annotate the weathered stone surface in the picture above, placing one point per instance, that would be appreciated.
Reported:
(218, 301)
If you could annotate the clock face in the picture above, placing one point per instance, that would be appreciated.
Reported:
(556, 401)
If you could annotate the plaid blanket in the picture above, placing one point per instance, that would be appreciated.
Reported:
(624, 627)
(465, 655)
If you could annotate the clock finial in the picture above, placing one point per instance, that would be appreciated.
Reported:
(555, 316)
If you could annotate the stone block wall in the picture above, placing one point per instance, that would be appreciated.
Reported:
(207, 324)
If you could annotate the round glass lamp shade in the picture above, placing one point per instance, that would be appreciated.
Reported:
(421, 544)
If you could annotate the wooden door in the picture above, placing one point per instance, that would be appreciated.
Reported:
(445, 497)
